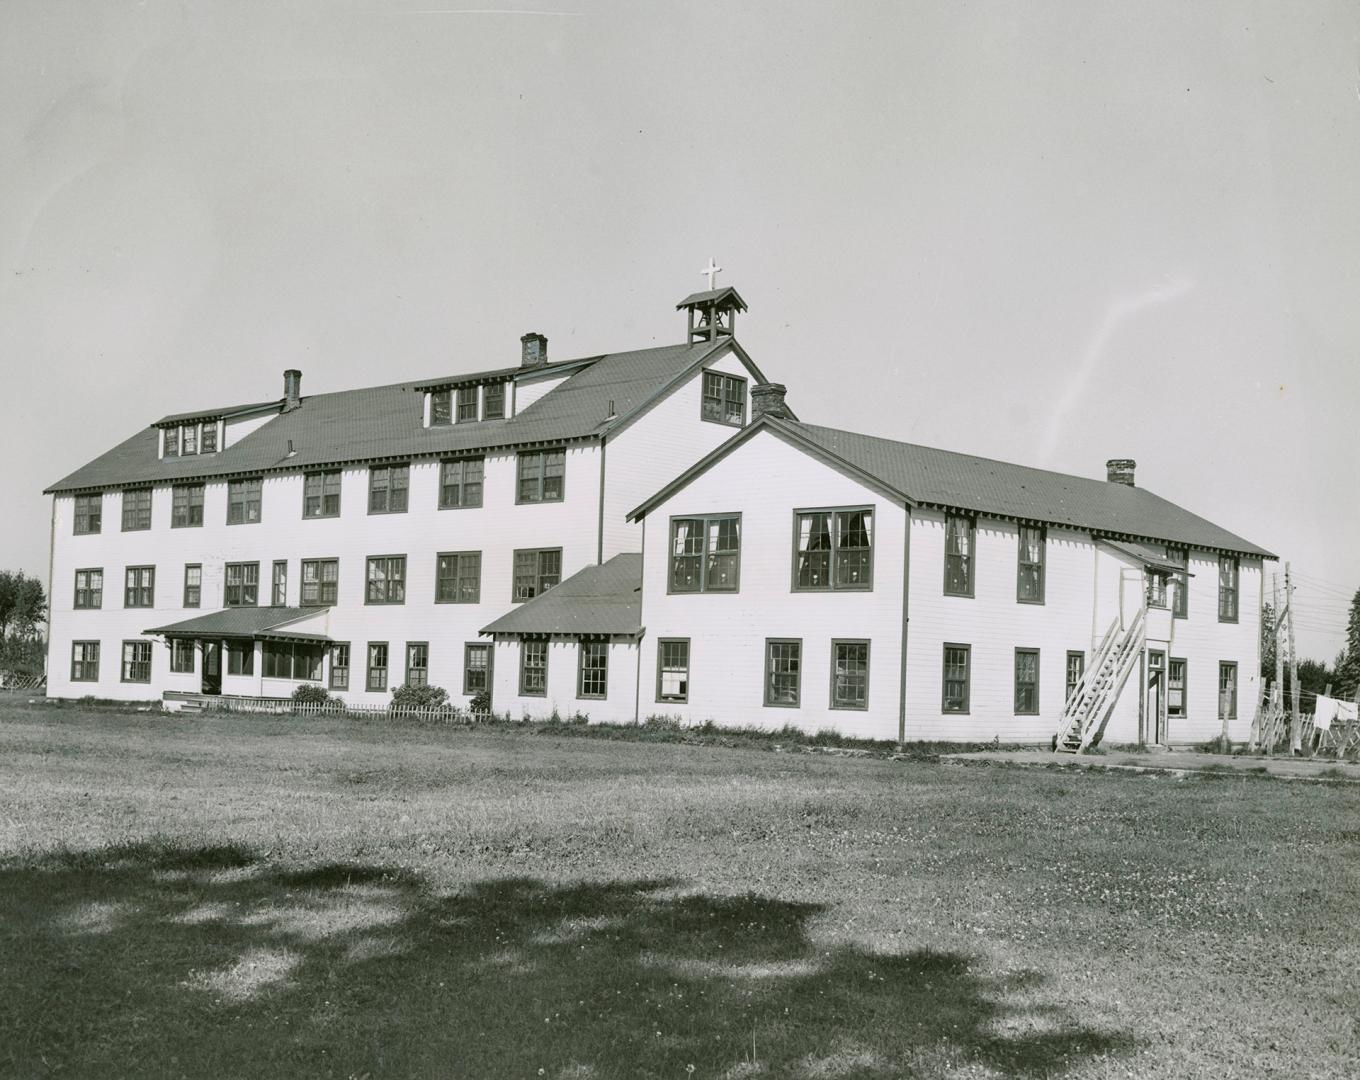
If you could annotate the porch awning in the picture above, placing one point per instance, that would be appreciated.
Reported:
(599, 600)
(1149, 557)
(251, 623)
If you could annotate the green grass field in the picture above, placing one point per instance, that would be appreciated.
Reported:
(243, 897)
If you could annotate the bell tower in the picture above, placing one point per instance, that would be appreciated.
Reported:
(713, 312)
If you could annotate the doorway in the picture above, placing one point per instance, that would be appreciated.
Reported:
(1156, 697)
(212, 667)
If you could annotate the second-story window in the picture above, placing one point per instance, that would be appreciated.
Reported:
(242, 585)
(193, 584)
(493, 401)
(243, 501)
(388, 487)
(460, 483)
(536, 571)
(834, 549)
(186, 506)
(958, 555)
(1030, 572)
(89, 514)
(541, 474)
(441, 408)
(458, 577)
(467, 404)
(386, 580)
(1180, 583)
(90, 588)
(1227, 588)
(279, 594)
(724, 398)
(136, 509)
(321, 494)
(320, 582)
(706, 554)
(139, 586)
(1156, 588)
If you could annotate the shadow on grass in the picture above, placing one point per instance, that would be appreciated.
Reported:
(154, 960)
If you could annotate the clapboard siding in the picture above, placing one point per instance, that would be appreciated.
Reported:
(561, 699)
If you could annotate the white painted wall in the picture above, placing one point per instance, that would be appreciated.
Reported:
(239, 428)
(562, 698)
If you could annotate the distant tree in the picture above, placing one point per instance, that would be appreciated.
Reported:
(1348, 667)
(23, 603)
(1314, 676)
(1267, 640)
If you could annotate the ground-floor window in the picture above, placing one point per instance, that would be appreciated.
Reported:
(340, 665)
(182, 657)
(1175, 689)
(476, 669)
(957, 660)
(137, 661)
(292, 660)
(377, 666)
(240, 658)
(1027, 682)
(533, 667)
(783, 671)
(1076, 668)
(593, 678)
(1227, 689)
(84, 661)
(849, 674)
(417, 663)
(672, 669)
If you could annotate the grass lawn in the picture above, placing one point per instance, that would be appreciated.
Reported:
(262, 897)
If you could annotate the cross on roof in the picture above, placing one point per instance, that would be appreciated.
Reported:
(712, 270)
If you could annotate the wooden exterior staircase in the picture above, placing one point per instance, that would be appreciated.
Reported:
(1088, 709)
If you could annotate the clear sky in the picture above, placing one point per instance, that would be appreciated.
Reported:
(1049, 232)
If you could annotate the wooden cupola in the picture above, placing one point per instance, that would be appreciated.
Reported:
(712, 313)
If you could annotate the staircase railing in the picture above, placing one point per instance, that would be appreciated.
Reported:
(1086, 712)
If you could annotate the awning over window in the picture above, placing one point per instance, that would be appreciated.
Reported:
(253, 623)
(1149, 557)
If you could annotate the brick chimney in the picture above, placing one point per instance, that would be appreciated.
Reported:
(292, 389)
(1120, 470)
(533, 350)
(767, 399)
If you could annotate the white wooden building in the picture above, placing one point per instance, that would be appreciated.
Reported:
(643, 533)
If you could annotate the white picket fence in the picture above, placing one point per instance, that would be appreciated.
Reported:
(441, 714)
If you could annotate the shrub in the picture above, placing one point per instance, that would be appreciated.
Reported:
(480, 705)
(420, 697)
(308, 694)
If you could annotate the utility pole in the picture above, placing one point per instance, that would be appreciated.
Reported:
(1279, 657)
(1295, 728)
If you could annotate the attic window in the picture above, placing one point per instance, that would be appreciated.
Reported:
(724, 399)
(493, 401)
(441, 408)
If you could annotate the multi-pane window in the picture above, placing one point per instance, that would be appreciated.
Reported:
(493, 401)
(1030, 572)
(193, 584)
(242, 584)
(467, 404)
(476, 669)
(834, 549)
(90, 588)
(849, 674)
(417, 663)
(139, 587)
(441, 408)
(536, 571)
(458, 577)
(705, 554)
(592, 679)
(136, 661)
(1076, 668)
(84, 661)
(783, 671)
(209, 443)
(1180, 583)
(321, 494)
(958, 554)
(1227, 690)
(136, 509)
(340, 665)
(243, 501)
(533, 667)
(541, 475)
(240, 658)
(182, 657)
(386, 580)
(186, 506)
(1027, 681)
(320, 582)
(672, 669)
(388, 487)
(189, 440)
(1156, 588)
(89, 513)
(957, 659)
(172, 442)
(1227, 588)
(278, 595)
(292, 660)
(1175, 687)
(724, 398)
(460, 482)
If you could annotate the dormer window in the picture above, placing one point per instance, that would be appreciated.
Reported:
(467, 404)
(441, 407)
(172, 442)
(185, 439)
(493, 401)
(208, 443)
(189, 441)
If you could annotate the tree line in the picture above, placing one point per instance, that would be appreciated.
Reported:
(23, 613)
(1315, 675)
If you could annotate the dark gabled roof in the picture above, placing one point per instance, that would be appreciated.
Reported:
(708, 296)
(245, 622)
(925, 476)
(562, 367)
(385, 422)
(604, 599)
(218, 414)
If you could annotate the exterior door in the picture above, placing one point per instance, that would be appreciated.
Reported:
(1156, 697)
(212, 667)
